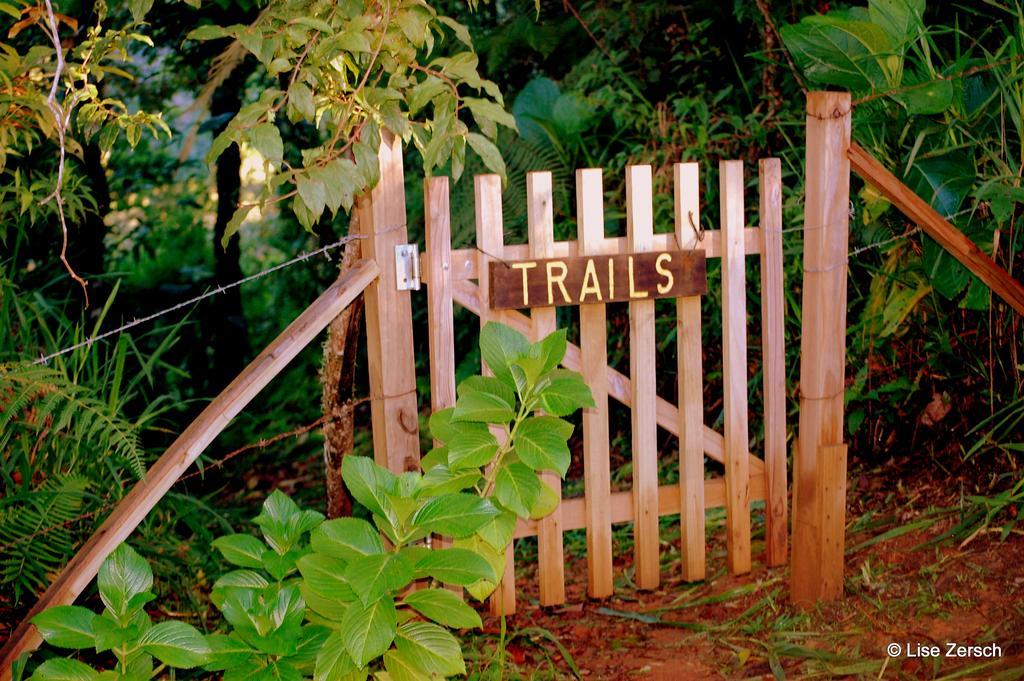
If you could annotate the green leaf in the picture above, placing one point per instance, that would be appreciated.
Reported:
(444, 607)
(312, 192)
(499, 345)
(242, 550)
(341, 181)
(325, 575)
(176, 644)
(454, 515)
(241, 579)
(266, 139)
(139, 8)
(489, 385)
(471, 450)
(925, 99)
(564, 392)
(488, 153)
(441, 480)
(458, 567)
(430, 648)
(480, 407)
(235, 223)
(66, 626)
(300, 102)
(283, 523)
(550, 350)
(540, 441)
(10, 10)
(123, 575)
(900, 19)
(368, 630)
(333, 662)
(369, 483)
(373, 576)
(498, 532)
(438, 456)
(526, 371)
(226, 652)
(546, 503)
(836, 50)
(63, 669)
(516, 488)
(486, 110)
(109, 634)
(400, 668)
(346, 538)
(461, 32)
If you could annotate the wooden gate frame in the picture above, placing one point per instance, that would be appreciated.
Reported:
(448, 275)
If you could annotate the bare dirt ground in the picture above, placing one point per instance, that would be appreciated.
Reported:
(899, 589)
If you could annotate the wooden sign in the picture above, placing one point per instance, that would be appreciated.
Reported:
(597, 279)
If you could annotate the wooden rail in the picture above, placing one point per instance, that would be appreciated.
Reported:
(934, 225)
(184, 451)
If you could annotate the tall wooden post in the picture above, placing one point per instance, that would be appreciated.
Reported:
(819, 459)
(392, 364)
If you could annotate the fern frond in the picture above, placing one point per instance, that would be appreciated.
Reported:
(35, 533)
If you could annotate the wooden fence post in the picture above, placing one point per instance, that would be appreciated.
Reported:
(818, 478)
(392, 364)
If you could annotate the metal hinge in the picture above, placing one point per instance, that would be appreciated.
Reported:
(407, 267)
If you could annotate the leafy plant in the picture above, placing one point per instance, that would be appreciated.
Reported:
(124, 629)
(355, 587)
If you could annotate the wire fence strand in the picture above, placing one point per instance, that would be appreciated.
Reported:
(323, 250)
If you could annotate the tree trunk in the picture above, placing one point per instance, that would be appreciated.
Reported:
(337, 376)
(229, 331)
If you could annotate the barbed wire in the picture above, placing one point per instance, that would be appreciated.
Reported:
(323, 250)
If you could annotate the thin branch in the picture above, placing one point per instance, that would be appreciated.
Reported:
(60, 120)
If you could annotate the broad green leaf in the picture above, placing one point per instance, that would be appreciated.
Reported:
(540, 442)
(123, 575)
(499, 345)
(444, 607)
(441, 480)
(312, 192)
(472, 449)
(454, 515)
(516, 488)
(109, 634)
(346, 538)
(283, 523)
(488, 153)
(430, 648)
(836, 50)
(242, 550)
(486, 110)
(244, 579)
(325, 575)
(564, 392)
(401, 668)
(63, 669)
(311, 640)
(438, 456)
(440, 424)
(499, 530)
(266, 139)
(324, 610)
(368, 630)
(926, 98)
(482, 407)
(280, 565)
(176, 644)
(550, 350)
(546, 503)
(900, 19)
(66, 626)
(139, 8)
(368, 484)
(461, 32)
(489, 385)
(526, 371)
(333, 662)
(373, 576)
(300, 102)
(225, 652)
(235, 223)
(458, 567)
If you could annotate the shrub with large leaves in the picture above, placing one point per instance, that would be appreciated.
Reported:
(124, 629)
(361, 616)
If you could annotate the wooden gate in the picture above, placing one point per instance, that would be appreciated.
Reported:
(461, 276)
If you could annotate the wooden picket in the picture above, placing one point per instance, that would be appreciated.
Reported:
(747, 478)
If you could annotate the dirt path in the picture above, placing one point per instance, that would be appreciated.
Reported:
(900, 590)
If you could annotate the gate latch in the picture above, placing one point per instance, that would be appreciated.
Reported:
(407, 267)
